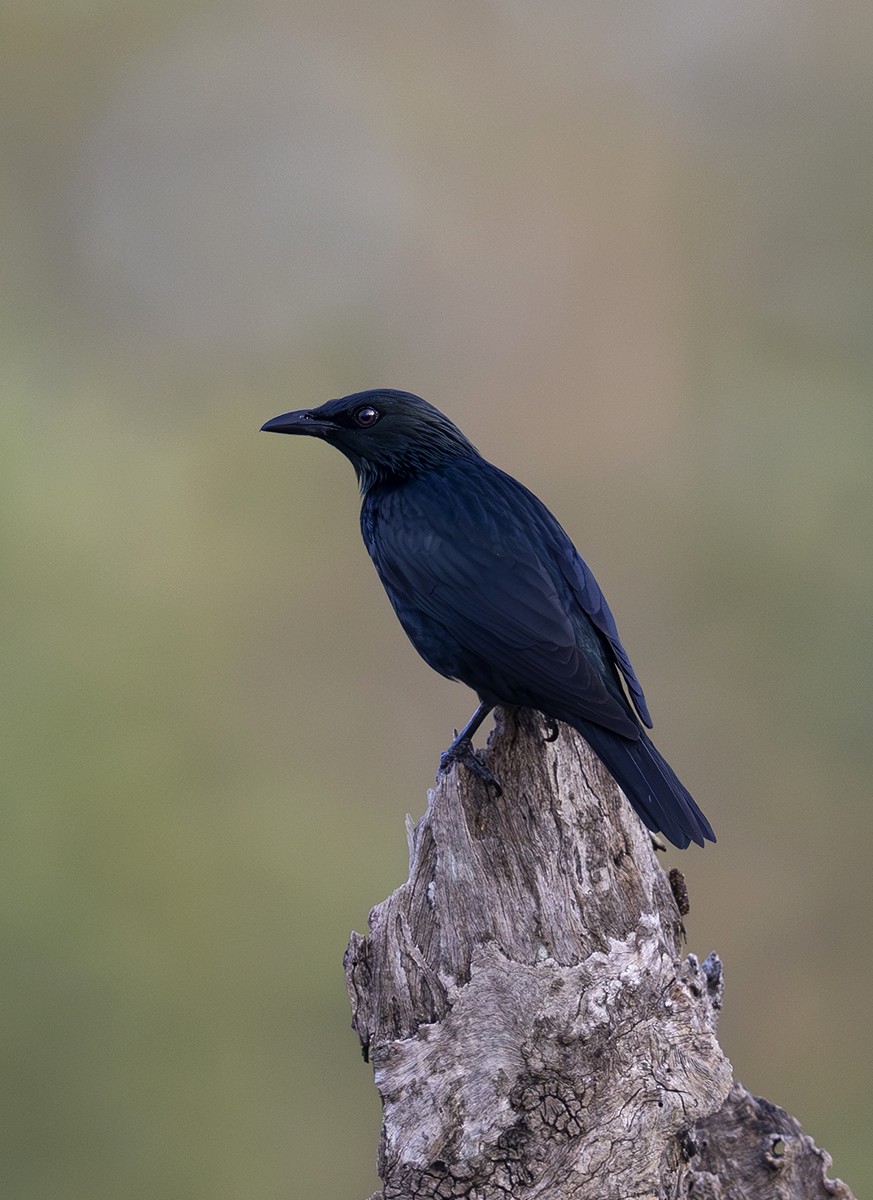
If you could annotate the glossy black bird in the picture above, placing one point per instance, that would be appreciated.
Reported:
(491, 591)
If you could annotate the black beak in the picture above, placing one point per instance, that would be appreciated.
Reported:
(297, 422)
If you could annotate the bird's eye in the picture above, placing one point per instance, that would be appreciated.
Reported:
(366, 416)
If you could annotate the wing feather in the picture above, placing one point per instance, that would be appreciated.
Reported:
(482, 566)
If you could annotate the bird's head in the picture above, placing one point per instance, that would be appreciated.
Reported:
(387, 435)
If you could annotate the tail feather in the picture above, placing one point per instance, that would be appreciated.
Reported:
(650, 784)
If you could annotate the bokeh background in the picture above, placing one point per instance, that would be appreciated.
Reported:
(629, 249)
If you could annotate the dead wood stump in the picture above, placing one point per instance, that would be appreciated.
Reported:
(533, 1026)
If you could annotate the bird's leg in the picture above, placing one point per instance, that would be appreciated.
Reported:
(552, 730)
(461, 749)
(466, 734)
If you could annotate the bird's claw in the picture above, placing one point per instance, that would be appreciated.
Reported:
(552, 730)
(462, 752)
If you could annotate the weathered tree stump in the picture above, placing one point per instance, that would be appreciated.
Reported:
(533, 1027)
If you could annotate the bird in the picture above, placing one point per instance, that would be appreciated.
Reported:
(491, 591)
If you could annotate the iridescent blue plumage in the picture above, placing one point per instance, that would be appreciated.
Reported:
(492, 592)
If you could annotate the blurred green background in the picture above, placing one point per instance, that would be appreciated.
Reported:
(628, 248)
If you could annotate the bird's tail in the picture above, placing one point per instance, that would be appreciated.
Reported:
(650, 784)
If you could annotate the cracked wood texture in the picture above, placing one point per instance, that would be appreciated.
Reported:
(533, 1026)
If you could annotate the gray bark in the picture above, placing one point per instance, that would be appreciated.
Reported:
(532, 1024)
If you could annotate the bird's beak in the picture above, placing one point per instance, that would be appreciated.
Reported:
(304, 421)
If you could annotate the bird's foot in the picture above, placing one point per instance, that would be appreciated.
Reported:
(657, 842)
(552, 729)
(461, 751)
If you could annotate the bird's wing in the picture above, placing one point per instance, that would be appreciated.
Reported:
(468, 556)
(577, 575)
(587, 592)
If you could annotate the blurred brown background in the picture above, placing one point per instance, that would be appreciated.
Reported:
(629, 249)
